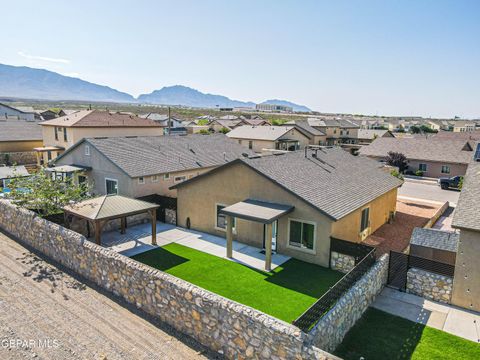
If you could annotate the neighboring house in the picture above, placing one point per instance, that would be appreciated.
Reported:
(141, 166)
(162, 119)
(61, 133)
(337, 131)
(463, 126)
(10, 172)
(366, 136)
(302, 198)
(466, 284)
(19, 135)
(315, 136)
(258, 138)
(434, 157)
(10, 112)
(218, 124)
(52, 113)
(434, 244)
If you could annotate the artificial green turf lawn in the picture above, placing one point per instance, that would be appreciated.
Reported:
(379, 335)
(285, 293)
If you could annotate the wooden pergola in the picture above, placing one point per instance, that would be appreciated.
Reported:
(258, 211)
(99, 210)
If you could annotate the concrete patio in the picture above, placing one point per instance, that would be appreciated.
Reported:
(137, 239)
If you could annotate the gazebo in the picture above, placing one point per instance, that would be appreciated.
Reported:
(259, 211)
(98, 211)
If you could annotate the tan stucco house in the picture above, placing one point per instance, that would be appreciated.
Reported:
(435, 157)
(61, 133)
(259, 138)
(291, 203)
(141, 166)
(315, 136)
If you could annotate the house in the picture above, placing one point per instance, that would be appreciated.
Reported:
(218, 125)
(52, 113)
(10, 172)
(315, 136)
(18, 113)
(258, 138)
(463, 126)
(162, 120)
(141, 166)
(466, 284)
(301, 198)
(337, 131)
(61, 133)
(19, 135)
(434, 157)
(366, 136)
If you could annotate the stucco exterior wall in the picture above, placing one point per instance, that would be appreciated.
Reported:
(466, 281)
(238, 182)
(348, 228)
(19, 146)
(257, 145)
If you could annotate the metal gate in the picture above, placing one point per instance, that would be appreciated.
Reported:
(397, 270)
(167, 213)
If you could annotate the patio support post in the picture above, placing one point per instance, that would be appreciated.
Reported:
(229, 236)
(268, 247)
(154, 226)
(123, 220)
(98, 232)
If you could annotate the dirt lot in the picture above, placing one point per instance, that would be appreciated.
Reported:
(46, 313)
(396, 236)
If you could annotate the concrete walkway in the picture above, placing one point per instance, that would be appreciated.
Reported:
(453, 320)
(137, 239)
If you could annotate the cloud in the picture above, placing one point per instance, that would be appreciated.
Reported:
(43, 58)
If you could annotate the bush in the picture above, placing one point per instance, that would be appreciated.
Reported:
(204, 132)
(224, 130)
(395, 173)
(419, 173)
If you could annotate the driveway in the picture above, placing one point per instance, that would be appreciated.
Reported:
(428, 190)
(47, 314)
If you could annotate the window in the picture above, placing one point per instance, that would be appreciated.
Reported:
(250, 144)
(221, 220)
(87, 150)
(240, 142)
(445, 169)
(422, 167)
(49, 155)
(178, 179)
(155, 178)
(301, 234)
(141, 180)
(365, 222)
(111, 186)
(166, 176)
(56, 133)
(65, 134)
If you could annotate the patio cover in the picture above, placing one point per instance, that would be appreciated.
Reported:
(256, 210)
(108, 207)
(67, 168)
(48, 148)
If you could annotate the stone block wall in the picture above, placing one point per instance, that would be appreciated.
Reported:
(429, 285)
(19, 158)
(341, 262)
(329, 332)
(233, 329)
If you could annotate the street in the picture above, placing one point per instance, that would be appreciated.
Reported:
(428, 191)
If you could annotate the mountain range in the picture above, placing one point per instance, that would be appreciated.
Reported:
(29, 83)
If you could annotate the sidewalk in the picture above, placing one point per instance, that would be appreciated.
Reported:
(453, 320)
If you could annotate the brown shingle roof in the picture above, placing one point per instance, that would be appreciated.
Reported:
(98, 118)
(467, 212)
(431, 149)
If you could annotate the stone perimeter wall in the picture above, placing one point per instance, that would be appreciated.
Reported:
(429, 285)
(19, 158)
(332, 328)
(341, 262)
(233, 329)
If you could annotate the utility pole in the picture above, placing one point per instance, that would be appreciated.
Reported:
(168, 121)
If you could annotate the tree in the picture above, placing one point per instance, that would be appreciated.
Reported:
(202, 122)
(224, 130)
(204, 132)
(44, 194)
(396, 159)
(395, 173)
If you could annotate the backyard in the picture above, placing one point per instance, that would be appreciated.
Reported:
(378, 335)
(285, 293)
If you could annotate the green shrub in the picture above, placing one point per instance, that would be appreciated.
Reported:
(419, 173)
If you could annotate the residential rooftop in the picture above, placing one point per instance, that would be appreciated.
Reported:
(152, 155)
(20, 130)
(430, 149)
(370, 134)
(305, 126)
(329, 179)
(270, 133)
(467, 212)
(436, 239)
(98, 118)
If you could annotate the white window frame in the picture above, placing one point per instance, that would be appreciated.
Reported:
(87, 150)
(179, 181)
(234, 228)
(449, 169)
(155, 178)
(166, 176)
(141, 180)
(110, 179)
(299, 248)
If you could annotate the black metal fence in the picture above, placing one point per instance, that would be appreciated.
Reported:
(400, 263)
(166, 204)
(315, 312)
(356, 250)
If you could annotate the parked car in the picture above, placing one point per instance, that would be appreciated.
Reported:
(450, 183)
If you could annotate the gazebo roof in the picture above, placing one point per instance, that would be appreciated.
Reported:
(109, 207)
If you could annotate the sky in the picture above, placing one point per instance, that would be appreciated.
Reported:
(406, 57)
